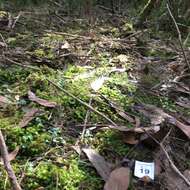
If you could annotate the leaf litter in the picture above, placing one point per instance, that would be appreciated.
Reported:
(40, 101)
(103, 168)
(29, 116)
(119, 179)
(160, 119)
(12, 155)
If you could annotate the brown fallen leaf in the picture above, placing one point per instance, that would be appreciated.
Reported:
(40, 101)
(103, 168)
(180, 125)
(130, 138)
(11, 155)
(28, 117)
(129, 134)
(152, 129)
(119, 179)
(157, 116)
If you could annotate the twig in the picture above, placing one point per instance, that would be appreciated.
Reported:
(3, 41)
(170, 161)
(68, 34)
(179, 36)
(167, 135)
(7, 165)
(83, 103)
(23, 173)
(16, 20)
(21, 65)
(86, 120)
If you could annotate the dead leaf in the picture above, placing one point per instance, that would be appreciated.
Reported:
(180, 125)
(130, 138)
(98, 162)
(152, 130)
(157, 116)
(40, 101)
(29, 116)
(11, 155)
(119, 179)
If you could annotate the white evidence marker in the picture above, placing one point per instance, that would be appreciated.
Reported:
(144, 169)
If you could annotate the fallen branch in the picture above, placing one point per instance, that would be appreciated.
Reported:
(179, 36)
(83, 103)
(7, 165)
(169, 159)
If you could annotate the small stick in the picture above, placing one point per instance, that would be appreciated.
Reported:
(86, 120)
(21, 65)
(7, 165)
(69, 34)
(83, 103)
(170, 161)
(16, 20)
(3, 40)
(167, 135)
(179, 36)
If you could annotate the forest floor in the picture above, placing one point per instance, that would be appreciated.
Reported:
(69, 87)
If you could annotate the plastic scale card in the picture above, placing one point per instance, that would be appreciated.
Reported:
(144, 169)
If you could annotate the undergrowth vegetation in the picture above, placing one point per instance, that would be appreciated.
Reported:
(48, 157)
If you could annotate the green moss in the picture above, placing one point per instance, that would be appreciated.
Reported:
(12, 75)
(163, 102)
(71, 176)
(110, 140)
(39, 53)
(45, 155)
(127, 27)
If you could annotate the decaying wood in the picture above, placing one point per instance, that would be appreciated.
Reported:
(7, 165)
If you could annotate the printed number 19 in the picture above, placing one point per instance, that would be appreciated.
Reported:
(146, 171)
